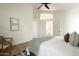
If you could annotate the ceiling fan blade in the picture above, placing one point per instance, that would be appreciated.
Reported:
(40, 6)
(46, 6)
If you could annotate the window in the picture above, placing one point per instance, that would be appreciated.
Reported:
(46, 16)
(49, 27)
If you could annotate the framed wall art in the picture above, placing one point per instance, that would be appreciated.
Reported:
(14, 24)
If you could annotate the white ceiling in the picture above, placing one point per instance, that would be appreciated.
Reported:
(59, 6)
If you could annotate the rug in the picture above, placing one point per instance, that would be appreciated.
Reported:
(25, 53)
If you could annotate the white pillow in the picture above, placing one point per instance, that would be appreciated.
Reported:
(60, 37)
(76, 41)
(72, 38)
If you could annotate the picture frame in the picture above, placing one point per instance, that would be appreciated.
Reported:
(14, 21)
(14, 24)
(14, 28)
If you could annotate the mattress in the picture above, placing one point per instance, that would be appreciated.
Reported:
(58, 47)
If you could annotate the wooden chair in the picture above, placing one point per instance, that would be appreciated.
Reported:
(5, 46)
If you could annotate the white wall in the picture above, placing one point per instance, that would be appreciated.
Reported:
(60, 23)
(56, 23)
(64, 21)
(73, 21)
(70, 22)
(24, 13)
(60, 19)
(35, 23)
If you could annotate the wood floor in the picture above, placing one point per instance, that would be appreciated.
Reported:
(19, 48)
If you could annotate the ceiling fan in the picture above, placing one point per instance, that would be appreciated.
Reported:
(44, 4)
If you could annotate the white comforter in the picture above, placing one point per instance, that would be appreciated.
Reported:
(34, 44)
(58, 47)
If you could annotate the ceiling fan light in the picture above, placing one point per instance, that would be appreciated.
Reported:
(46, 6)
(43, 8)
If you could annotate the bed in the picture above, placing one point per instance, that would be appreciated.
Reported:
(52, 46)
(58, 47)
(34, 45)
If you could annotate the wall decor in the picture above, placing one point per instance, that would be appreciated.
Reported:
(14, 24)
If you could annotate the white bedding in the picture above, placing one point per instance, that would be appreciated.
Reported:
(58, 47)
(34, 44)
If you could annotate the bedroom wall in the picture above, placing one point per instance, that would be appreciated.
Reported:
(70, 21)
(56, 23)
(59, 16)
(60, 23)
(35, 23)
(73, 21)
(24, 13)
(64, 21)
(34, 29)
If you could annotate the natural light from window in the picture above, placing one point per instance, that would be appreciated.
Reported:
(46, 16)
(49, 27)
